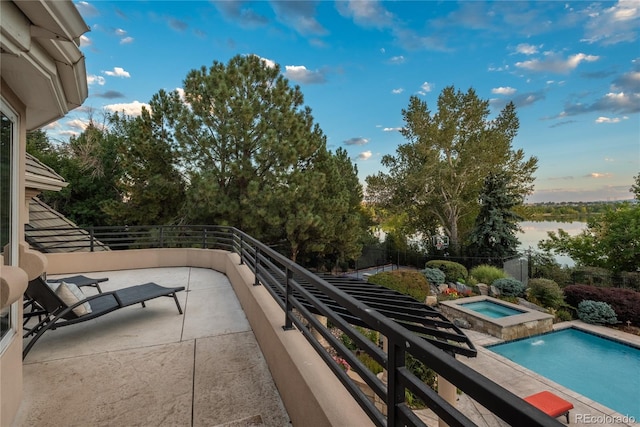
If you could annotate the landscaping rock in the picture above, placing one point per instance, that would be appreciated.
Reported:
(461, 323)
(483, 288)
(528, 304)
(494, 291)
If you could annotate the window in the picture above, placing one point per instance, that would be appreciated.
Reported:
(8, 209)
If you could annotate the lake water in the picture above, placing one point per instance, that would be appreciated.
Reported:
(534, 231)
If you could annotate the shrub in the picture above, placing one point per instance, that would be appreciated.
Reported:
(563, 315)
(486, 274)
(596, 312)
(408, 282)
(625, 302)
(453, 271)
(434, 276)
(546, 293)
(509, 287)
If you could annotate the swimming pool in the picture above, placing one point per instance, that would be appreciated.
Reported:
(491, 309)
(601, 369)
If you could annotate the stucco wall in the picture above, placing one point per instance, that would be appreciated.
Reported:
(11, 358)
(309, 390)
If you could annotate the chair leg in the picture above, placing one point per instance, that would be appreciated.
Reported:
(567, 415)
(175, 297)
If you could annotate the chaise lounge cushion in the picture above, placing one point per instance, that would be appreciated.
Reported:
(71, 294)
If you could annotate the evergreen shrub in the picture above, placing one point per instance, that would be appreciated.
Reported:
(597, 312)
(486, 273)
(453, 271)
(546, 293)
(509, 287)
(434, 276)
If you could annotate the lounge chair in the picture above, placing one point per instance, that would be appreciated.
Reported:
(81, 281)
(550, 404)
(77, 308)
(31, 308)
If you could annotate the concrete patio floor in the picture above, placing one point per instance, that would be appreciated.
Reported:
(152, 366)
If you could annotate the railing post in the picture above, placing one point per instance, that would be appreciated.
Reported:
(91, 236)
(288, 324)
(241, 243)
(204, 238)
(395, 392)
(256, 265)
(161, 236)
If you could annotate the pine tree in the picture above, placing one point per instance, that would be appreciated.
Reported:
(494, 234)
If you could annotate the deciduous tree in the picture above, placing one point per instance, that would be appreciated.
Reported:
(438, 174)
(611, 240)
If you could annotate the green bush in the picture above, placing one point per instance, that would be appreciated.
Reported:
(486, 274)
(408, 282)
(563, 315)
(434, 276)
(369, 362)
(546, 293)
(596, 312)
(453, 271)
(509, 287)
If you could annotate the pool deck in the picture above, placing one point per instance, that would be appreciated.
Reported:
(524, 382)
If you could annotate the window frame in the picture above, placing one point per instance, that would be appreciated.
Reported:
(12, 115)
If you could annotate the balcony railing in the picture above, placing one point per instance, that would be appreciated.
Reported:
(303, 296)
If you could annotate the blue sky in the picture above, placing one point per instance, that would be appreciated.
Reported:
(571, 68)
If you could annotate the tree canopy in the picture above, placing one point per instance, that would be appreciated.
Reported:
(611, 240)
(237, 147)
(438, 175)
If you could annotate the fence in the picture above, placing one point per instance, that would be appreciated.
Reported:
(301, 294)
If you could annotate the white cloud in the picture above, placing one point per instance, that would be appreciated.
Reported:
(426, 87)
(598, 175)
(391, 129)
(85, 41)
(397, 91)
(130, 109)
(126, 40)
(397, 59)
(77, 124)
(608, 120)
(366, 13)
(118, 72)
(527, 49)
(356, 141)
(300, 73)
(555, 63)
(268, 62)
(120, 32)
(365, 155)
(87, 9)
(616, 24)
(503, 90)
(93, 79)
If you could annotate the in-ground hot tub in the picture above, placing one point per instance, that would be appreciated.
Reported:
(496, 317)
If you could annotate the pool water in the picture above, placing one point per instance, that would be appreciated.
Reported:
(491, 309)
(603, 370)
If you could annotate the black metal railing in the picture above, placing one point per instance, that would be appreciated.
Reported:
(296, 290)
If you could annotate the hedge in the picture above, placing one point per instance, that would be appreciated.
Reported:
(625, 302)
